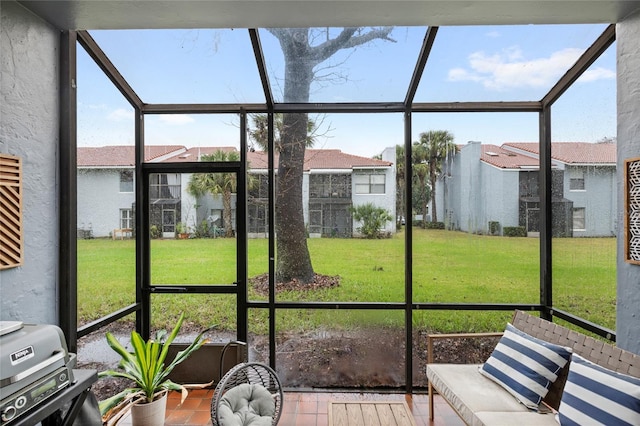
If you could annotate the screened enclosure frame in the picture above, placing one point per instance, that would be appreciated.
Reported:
(144, 288)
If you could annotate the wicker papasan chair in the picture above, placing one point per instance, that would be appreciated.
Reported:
(249, 394)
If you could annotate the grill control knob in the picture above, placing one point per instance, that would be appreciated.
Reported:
(8, 413)
(21, 402)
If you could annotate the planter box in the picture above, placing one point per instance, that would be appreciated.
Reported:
(203, 366)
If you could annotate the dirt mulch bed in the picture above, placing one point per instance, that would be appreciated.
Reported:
(358, 359)
(260, 284)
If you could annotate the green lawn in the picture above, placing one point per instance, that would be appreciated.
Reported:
(447, 267)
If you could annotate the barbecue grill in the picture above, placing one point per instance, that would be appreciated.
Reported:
(35, 365)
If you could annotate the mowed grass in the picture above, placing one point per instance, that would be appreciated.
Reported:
(448, 267)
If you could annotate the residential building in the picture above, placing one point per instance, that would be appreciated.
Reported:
(105, 185)
(488, 183)
(333, 182)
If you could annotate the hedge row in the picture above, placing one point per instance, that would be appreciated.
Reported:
(514, 231)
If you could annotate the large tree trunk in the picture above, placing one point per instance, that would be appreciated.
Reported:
(293, 259)
(226, 214)
(300, 58)
(434, 213)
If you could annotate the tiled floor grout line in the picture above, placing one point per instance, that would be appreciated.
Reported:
(304, 408)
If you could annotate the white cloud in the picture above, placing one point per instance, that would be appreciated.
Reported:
(493, 34)
(121, 114)
(596, 74)
(176, 119)
(509, 69)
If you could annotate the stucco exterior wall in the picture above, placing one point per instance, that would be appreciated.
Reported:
(464, 208)
(100, 200)
(29, 116)
(500, 196)
(386, 201)
(477, 193)
(628, 91)
(598, 199)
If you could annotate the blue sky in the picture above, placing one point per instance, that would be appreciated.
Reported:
(499, 63)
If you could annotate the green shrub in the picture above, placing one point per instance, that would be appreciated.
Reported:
(434, 225)
(154, 232)
(514, 231)
(494, 228)
(373, 219)
(203, 230)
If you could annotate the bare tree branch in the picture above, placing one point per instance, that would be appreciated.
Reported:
(347, 39)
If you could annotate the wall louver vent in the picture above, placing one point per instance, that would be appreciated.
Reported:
(11, 240)
(632, 210)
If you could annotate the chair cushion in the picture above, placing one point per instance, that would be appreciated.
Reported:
(247, 405)
(594, 394)
(525, 366)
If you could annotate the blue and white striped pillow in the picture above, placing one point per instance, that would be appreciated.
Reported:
(525, 366)
(596, 395)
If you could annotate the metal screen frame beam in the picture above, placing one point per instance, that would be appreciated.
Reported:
(68, 191)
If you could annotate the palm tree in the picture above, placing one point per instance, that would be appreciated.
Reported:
(420, 171)
(259, 131)
(400, 182)
(438, 145)
(217, 183)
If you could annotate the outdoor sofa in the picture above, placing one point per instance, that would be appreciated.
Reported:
(599, 381)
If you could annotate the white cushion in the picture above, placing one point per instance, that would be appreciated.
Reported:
(246, 405)
(525, 366)
(529, 418)
(469, 392)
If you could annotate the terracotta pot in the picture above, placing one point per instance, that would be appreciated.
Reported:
(150, 414)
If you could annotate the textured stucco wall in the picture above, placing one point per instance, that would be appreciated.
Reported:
(466, 182)
(500, 196)
(100, 200)
(628, 58)
(386, 201)
(29, 129)
(598, 199)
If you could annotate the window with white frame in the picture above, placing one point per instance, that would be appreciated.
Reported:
(579, 219)
(126, 181)
(576, 180)
(126, 218)
(369, 182)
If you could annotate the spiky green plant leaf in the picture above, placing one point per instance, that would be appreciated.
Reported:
(145, 367)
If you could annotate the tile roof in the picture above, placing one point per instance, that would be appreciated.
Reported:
(574, 152)
(505, 159)
(321, 159)
(121, 155)
(193, 154)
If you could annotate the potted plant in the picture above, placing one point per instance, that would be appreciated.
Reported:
(181, 230)
(145, 367)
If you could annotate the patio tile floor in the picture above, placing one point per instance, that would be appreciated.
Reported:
(304, 409)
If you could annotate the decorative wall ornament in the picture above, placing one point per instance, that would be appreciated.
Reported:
(632, 210)
(11, 239)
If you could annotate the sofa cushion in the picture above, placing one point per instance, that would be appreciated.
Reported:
(246, 405)
(594, 394)
(530, 418)
(469, 392)
(525, 366)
